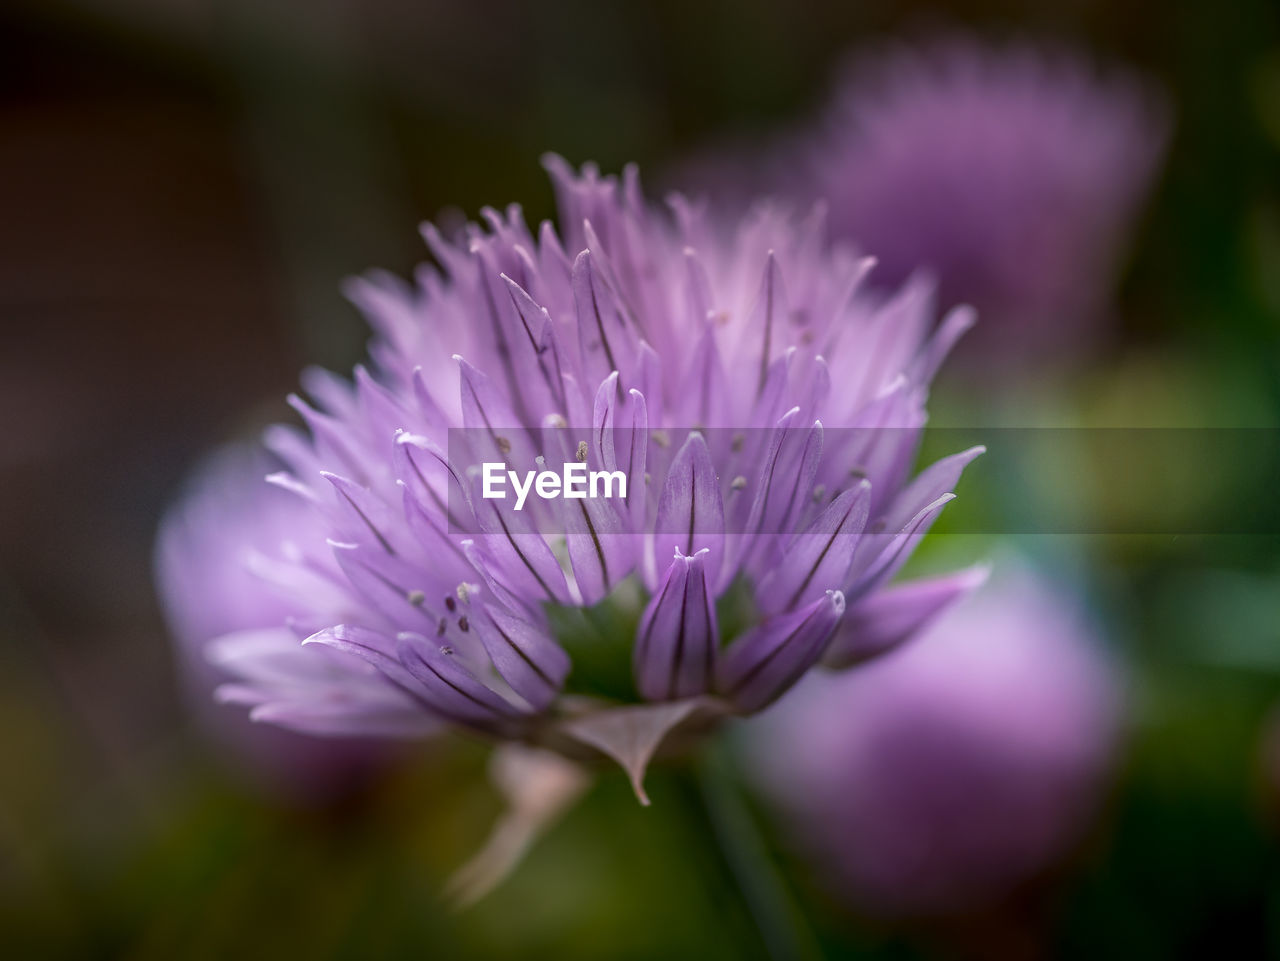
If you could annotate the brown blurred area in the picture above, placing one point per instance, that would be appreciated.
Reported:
(139, 316)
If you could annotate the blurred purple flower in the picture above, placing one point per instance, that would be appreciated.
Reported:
(940, 779)
(1013, 175)
(412, 600)
(229, 579)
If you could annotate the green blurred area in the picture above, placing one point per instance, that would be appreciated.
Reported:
(313, 137)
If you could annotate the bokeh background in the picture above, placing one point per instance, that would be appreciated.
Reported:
(184, 184)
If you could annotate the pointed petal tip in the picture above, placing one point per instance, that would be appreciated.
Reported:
(977, 575)
(961, 317)
(938, 504)
(637, 785)
(553, 163)
(631, 735)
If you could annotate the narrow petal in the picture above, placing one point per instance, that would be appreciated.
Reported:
(763, 332)
(705, 401)
(604, 339)
(818, 560)
(483, 407)
(893, 536)
(892, 616)
(374, 648)
(452, 690)
(766, 661)
(953, 327)
(691, 507)
(601, 551)
(338, 717)
(893, 550)
(539, 347)
(365, 514)
(395, 589)
(527, 658)
(678, 638)
(517, 555)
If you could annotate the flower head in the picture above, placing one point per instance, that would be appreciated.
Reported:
(760, 420)
(1013, 174)
(230, 582)
(968, 763)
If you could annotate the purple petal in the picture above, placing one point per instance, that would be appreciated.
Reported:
(906, 521)
(678, 638)
(894, 554)
(375, 648)
(705, 400)
(483, 407)
(365, 515)
(516, 555)
(538, 348)
(395, 590)
(452, 690)
(601, 551)
(605, 341)
(954, 326)
(761, 665)
(818, 560)
(527, 658)
(690, 507)
(764, 329)
(336, 717)
(892, 616)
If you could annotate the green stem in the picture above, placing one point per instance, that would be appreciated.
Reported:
(782, 927)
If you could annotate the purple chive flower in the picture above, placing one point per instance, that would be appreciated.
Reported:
(967, 764)
(765, 419)
(1014, 175)
(231, 579)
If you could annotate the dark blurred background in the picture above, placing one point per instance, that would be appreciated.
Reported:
(184, 184)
